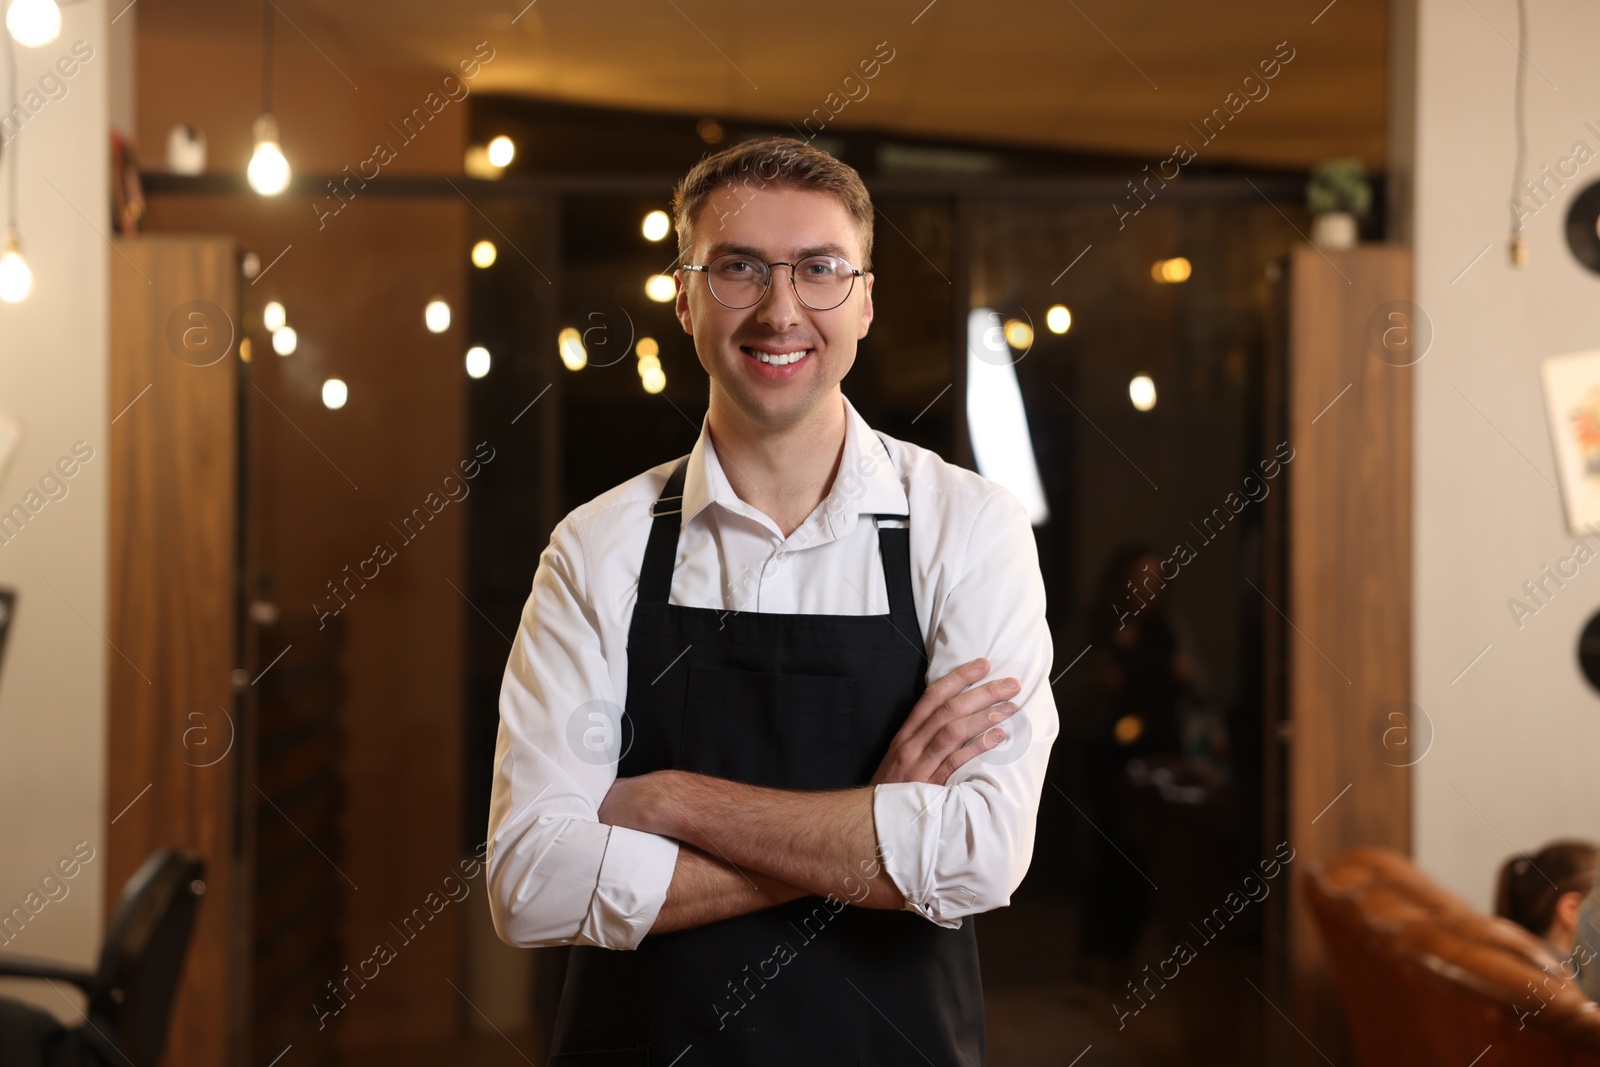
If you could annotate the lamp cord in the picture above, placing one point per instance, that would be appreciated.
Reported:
(11, 146)
(1519, 118)
(266, 56)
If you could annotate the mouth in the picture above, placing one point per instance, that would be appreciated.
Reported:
(775, 357)
(774, 364)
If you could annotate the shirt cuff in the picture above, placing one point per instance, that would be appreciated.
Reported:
(632, 887)
(909, 818)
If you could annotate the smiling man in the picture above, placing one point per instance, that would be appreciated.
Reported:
(773, 855)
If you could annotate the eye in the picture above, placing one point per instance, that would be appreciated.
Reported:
(820, 267)
(738, 267)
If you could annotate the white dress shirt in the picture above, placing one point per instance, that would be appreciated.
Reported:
(558, 876)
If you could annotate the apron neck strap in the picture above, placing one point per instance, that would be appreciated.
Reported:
(655, 579)
(660, 554)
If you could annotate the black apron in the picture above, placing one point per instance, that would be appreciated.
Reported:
(793, 702)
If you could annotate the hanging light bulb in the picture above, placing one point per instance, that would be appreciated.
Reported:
(33, 23)
(269, 170)
(15, 277)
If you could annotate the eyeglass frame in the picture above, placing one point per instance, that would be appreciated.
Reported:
(705, 268)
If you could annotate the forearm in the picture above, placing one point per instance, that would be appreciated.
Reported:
(705, 890)
(822, 842)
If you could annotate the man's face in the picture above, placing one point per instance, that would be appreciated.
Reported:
(778, 225)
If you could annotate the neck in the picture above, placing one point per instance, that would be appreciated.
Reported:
(785, 472)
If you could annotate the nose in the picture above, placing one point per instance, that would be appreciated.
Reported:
(779, 307)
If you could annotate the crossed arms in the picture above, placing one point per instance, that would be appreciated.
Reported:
(577, 855)
(751, 847)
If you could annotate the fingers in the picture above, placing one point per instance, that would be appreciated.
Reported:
(960, 729)
(962, 704)
(942, 690)
(989, 739)
(954, 720)
(954, 682)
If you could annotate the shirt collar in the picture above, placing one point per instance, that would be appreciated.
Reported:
(866, 484)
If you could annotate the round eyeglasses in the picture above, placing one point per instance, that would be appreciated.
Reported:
(739, 281)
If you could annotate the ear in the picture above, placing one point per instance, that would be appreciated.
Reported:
(1567, 910)
(680, 303)
(866, 307)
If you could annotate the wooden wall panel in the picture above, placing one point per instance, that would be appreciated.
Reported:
(1348, 595)
(173, 601)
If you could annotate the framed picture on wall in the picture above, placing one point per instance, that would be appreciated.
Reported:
(1572, 405)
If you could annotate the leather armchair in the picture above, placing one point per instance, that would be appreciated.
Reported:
(1424, 979)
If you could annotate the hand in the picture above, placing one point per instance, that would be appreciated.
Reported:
(933, 741)
(633, 802)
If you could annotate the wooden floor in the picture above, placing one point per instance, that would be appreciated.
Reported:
(1044, 1008)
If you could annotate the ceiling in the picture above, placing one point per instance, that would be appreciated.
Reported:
(1127, 78)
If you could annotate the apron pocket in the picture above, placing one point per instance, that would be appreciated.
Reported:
(784, 731)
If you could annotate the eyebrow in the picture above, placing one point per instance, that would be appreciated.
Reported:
(722, 248)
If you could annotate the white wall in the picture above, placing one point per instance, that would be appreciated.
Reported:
(1518, 736)
(53, 376)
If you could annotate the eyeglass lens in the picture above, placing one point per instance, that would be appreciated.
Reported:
(821, 282)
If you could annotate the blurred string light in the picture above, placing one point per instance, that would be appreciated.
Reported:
(273, 316)
(651, 375)
(477, 361)
(285, 340)
(1058, 319)
(1019, 334)
(1170, 271)
(656, 225)
(572, 350)
(436, 315)
(33, 23)
(483, 254)
(334, 394)
(502, 151)
(16, 280)
(268, 172)
(660, 288)
(1142, 391)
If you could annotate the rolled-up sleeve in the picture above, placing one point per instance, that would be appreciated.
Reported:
(962, 848)
(556, 874)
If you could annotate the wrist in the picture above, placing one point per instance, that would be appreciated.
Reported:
(664, 803)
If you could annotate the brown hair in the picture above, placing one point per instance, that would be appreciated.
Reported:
(777, 162)
(1530, 886)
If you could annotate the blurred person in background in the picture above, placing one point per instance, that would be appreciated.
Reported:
(1125, 704)
(1544, 893)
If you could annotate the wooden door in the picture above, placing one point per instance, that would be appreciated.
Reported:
(175, 736)
(1343, 595)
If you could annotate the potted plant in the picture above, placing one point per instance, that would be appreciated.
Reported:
(1338, 194)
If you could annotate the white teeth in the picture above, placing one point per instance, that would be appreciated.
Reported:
(782, 359)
